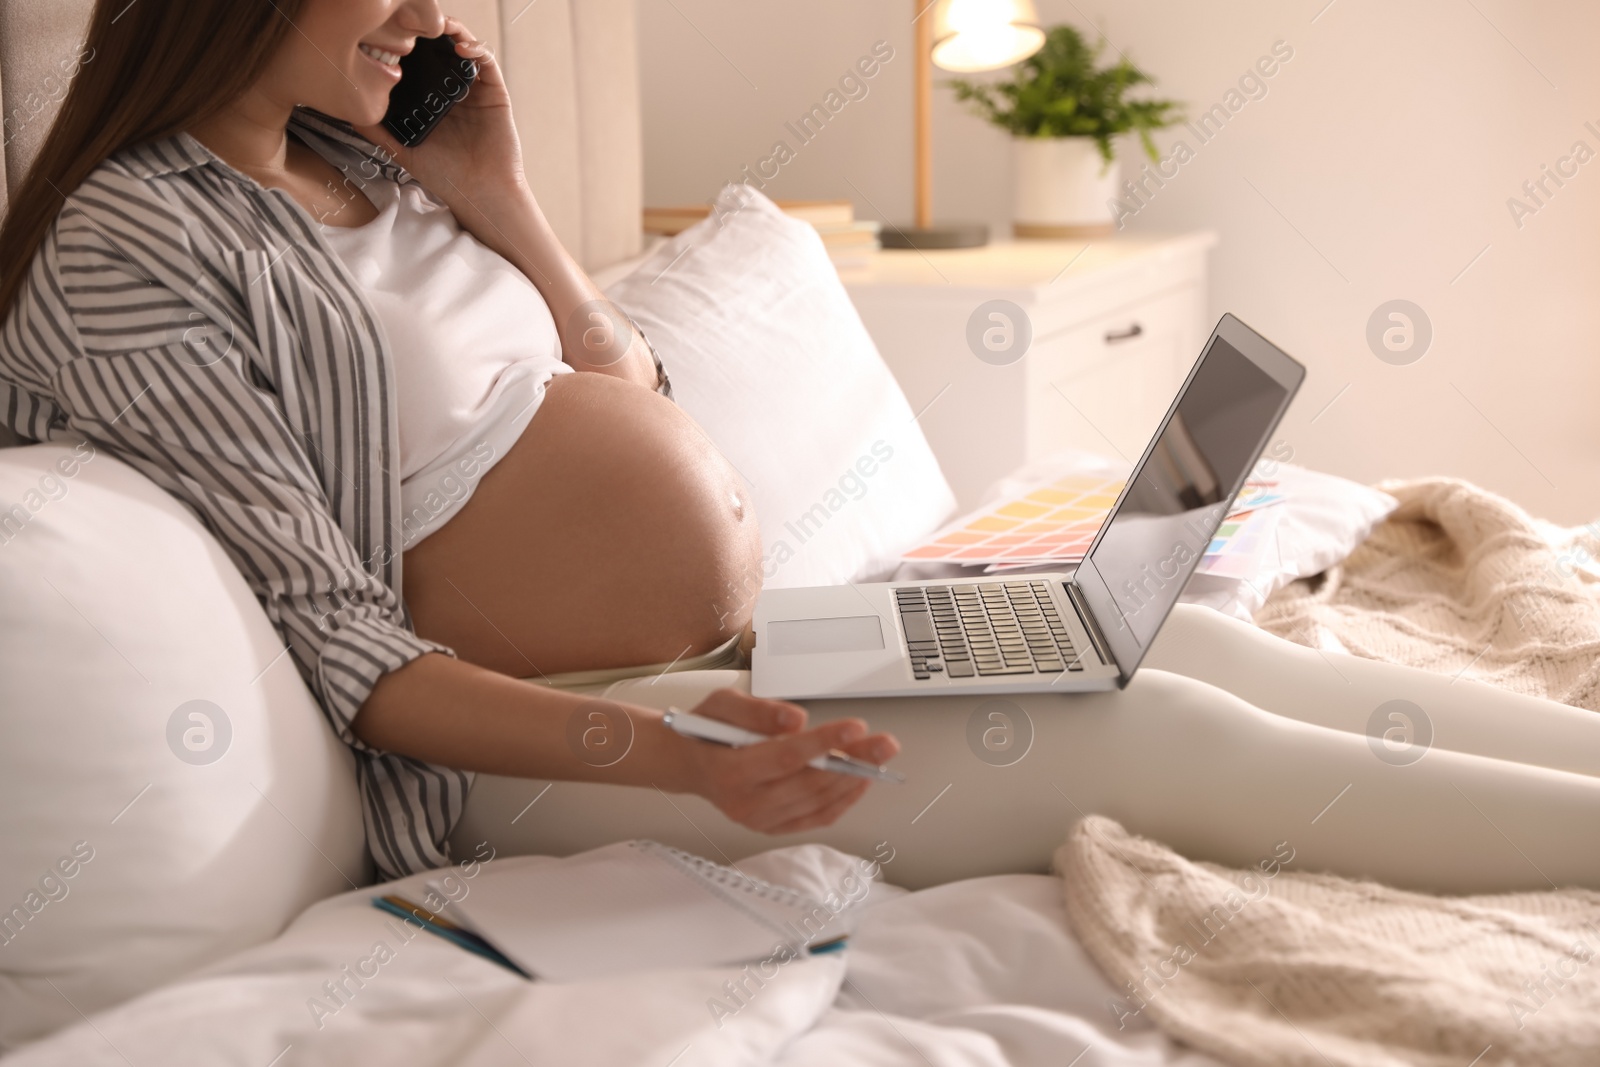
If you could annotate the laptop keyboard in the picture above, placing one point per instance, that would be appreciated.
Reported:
(984, 628)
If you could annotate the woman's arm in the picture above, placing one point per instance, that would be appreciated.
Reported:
(595, 336)
(442, 710)
(473, 162)
(451, 712)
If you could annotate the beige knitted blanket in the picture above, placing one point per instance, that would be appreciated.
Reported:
(1462, 582)
(1276, 968)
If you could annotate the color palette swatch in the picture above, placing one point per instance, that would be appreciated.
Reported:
(1053, 522)
(1243, 537)
(1255, 495)
(1056, 523)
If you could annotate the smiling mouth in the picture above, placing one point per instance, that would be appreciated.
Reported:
(388, 59)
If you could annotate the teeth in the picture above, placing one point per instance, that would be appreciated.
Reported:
(381, 56)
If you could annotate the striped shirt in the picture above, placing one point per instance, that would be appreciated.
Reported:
(199, 327)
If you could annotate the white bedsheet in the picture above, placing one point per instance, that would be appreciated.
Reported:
(972, 973)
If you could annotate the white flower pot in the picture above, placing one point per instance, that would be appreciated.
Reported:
(1063, 187)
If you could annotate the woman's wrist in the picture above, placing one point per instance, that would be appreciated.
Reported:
(443, 710)
(595, 335)
(512, 224)
(666, 760)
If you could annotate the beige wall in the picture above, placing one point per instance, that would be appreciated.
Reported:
(1377, 167)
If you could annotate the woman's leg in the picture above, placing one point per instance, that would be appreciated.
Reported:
(994, 783)
(1404, 711)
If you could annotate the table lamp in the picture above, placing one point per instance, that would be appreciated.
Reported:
(963, 36)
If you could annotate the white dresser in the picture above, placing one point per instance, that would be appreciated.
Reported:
(1019, 349)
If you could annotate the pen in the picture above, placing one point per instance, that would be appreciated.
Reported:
(436, 924)
(723, 733)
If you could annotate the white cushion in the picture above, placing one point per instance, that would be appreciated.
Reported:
(123, 865)
(767, 353)
(1323, 519)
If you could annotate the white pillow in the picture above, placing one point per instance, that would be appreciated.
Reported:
(1322, 521)
(123, 865)
(767, 353)
(605, 277)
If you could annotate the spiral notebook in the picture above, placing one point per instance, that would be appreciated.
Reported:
(637, 905)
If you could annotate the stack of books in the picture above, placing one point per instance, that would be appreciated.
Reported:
(850, 241)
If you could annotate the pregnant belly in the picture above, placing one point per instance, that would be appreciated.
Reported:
(613, 533)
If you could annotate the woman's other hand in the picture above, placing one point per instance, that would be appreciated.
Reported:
(472, 160)
(769, 786)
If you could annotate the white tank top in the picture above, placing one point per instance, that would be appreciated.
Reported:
(474, 345)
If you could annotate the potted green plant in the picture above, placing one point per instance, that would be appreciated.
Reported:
(1064, 112)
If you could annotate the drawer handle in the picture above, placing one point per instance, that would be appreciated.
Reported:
(1114, 337)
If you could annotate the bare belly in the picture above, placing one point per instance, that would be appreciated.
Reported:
(613, 533)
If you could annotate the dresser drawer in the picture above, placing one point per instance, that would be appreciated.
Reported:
(1103, 386)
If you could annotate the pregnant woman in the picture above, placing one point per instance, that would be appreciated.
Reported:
(450, 473)
(446, 468)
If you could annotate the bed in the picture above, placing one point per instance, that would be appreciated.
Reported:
(219, 894)
(977, 972)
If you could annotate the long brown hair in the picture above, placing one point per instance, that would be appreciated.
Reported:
(147, 71)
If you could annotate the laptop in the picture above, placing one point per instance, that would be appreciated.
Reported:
(1053, 632)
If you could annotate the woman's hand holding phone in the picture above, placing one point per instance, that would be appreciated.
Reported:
(473, 159)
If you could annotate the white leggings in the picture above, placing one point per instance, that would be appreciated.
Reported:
(1228, 742)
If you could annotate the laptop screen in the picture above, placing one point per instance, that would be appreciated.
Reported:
(1184, 485)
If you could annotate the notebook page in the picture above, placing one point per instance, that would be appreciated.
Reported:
(802, 919)
(618, 908)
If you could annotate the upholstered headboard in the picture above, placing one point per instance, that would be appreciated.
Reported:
(572, 66)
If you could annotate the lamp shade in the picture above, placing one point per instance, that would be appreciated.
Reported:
(975, 35)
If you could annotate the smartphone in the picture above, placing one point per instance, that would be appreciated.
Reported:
(433, 79)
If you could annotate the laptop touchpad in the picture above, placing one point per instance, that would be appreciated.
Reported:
(854, 633)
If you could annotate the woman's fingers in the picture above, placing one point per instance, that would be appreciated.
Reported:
(470, 47)
(775, 717)
(803, 796)
(875, 748)
(754, 783)
(770, 786)
(454, 27)
(828, 814)
(753, 713)
(785, 756)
